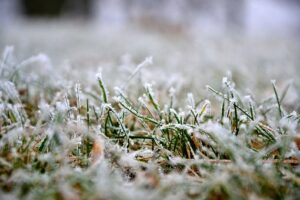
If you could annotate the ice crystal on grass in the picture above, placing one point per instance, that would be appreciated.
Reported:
(6, 57)
(76, 142)
(146, 62)
(9, 90)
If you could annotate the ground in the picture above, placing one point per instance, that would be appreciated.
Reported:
(90, 112)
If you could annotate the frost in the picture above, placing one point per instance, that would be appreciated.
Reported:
(118, 91)
(13, 135)
(45, 110)
(45, 157)
(176, 160)
(144, 154)
(149, 89)
(147, 61)
(172, 92)
(190, 100)
(40, 58)
(141, 100)
(243, 118)
(273, 82)
(61, 107)
(248, 99)
(78, 94)
(183, 127)
(126, 146)
(224, 81)
(99, 76)
(9, 89)
(178, 126)
(76, 141)
(288, 124)
(117, 99)
(108, 105)
(8, 51)
(233, 100)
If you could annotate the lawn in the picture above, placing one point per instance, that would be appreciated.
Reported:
(96, 113)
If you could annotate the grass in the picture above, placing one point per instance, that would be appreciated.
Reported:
(64, 141)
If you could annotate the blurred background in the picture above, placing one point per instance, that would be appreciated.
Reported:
(251, 16)
(193, 42)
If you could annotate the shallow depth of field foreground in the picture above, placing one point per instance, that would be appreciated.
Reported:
(147, 110)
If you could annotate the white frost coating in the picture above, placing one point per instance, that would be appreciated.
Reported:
(45, 109)
(176, 160)
(61, 107)
(99, 73)
(173, 111)
(273, 82)
(40, 58)
(117, 99)
(294, 113)
(7, 52)
(144, 153)
(178, 126)
(78, 94)
(147, 61)
(67, 102)
(233, 100)
(181, 114)
(229, 74)
(9, 89)
(118, 90)
(224, 81)
(129, 160)
(45, 157)
(243, 127)
(67, 192)
(99, 76)
(120, 94)
(288, 124)
(248, 99)
(141, 100)
(181, 126)
(172, 92)
(103, 177)
(190, 100)
(206, 101)
(149, 89)
(106, 105)
(243, 118)
(205, 110)
(219, 131)
(2, 107)
(13, 135)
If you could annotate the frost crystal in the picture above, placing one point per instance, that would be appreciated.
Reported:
(61, 107)
(78, 94)
(99, 76)
(117, 99)
(190, 100)
(147, 61)
(7, 52)
(40, 58)
(172, 92)
(148, 87)
(224, 81)
(9, 89)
